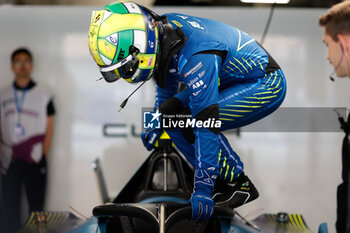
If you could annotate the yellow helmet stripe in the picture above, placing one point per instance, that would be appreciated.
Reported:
(96, 20)
(147, 61)
(127, 22)
(106, 49)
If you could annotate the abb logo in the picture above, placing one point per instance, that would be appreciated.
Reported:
(197, 84)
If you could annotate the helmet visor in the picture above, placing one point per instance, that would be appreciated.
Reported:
(125, 68)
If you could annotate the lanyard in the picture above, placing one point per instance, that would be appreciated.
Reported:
(19, 104)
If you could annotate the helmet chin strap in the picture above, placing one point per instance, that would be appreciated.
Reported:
(122, 105)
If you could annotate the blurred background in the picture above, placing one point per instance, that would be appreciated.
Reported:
(295, 172)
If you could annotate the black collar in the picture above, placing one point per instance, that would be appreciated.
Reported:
(30, 85)
(172, 41)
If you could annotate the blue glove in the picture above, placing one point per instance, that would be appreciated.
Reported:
(149, 137)
(201, 199)
(202, 205)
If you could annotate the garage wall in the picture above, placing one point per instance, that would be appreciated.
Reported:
(58, 38)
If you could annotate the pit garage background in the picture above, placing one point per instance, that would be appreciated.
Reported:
(296, 168)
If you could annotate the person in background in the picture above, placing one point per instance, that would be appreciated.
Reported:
(26, 121)
(336, 36)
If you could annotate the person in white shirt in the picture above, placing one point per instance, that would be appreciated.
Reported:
(26, 121)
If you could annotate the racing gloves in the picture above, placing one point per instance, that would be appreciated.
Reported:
(201, 199)
(149, 137)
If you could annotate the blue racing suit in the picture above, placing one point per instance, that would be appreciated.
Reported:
(228, 76)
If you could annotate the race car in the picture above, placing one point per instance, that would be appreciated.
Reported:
(156, 200)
